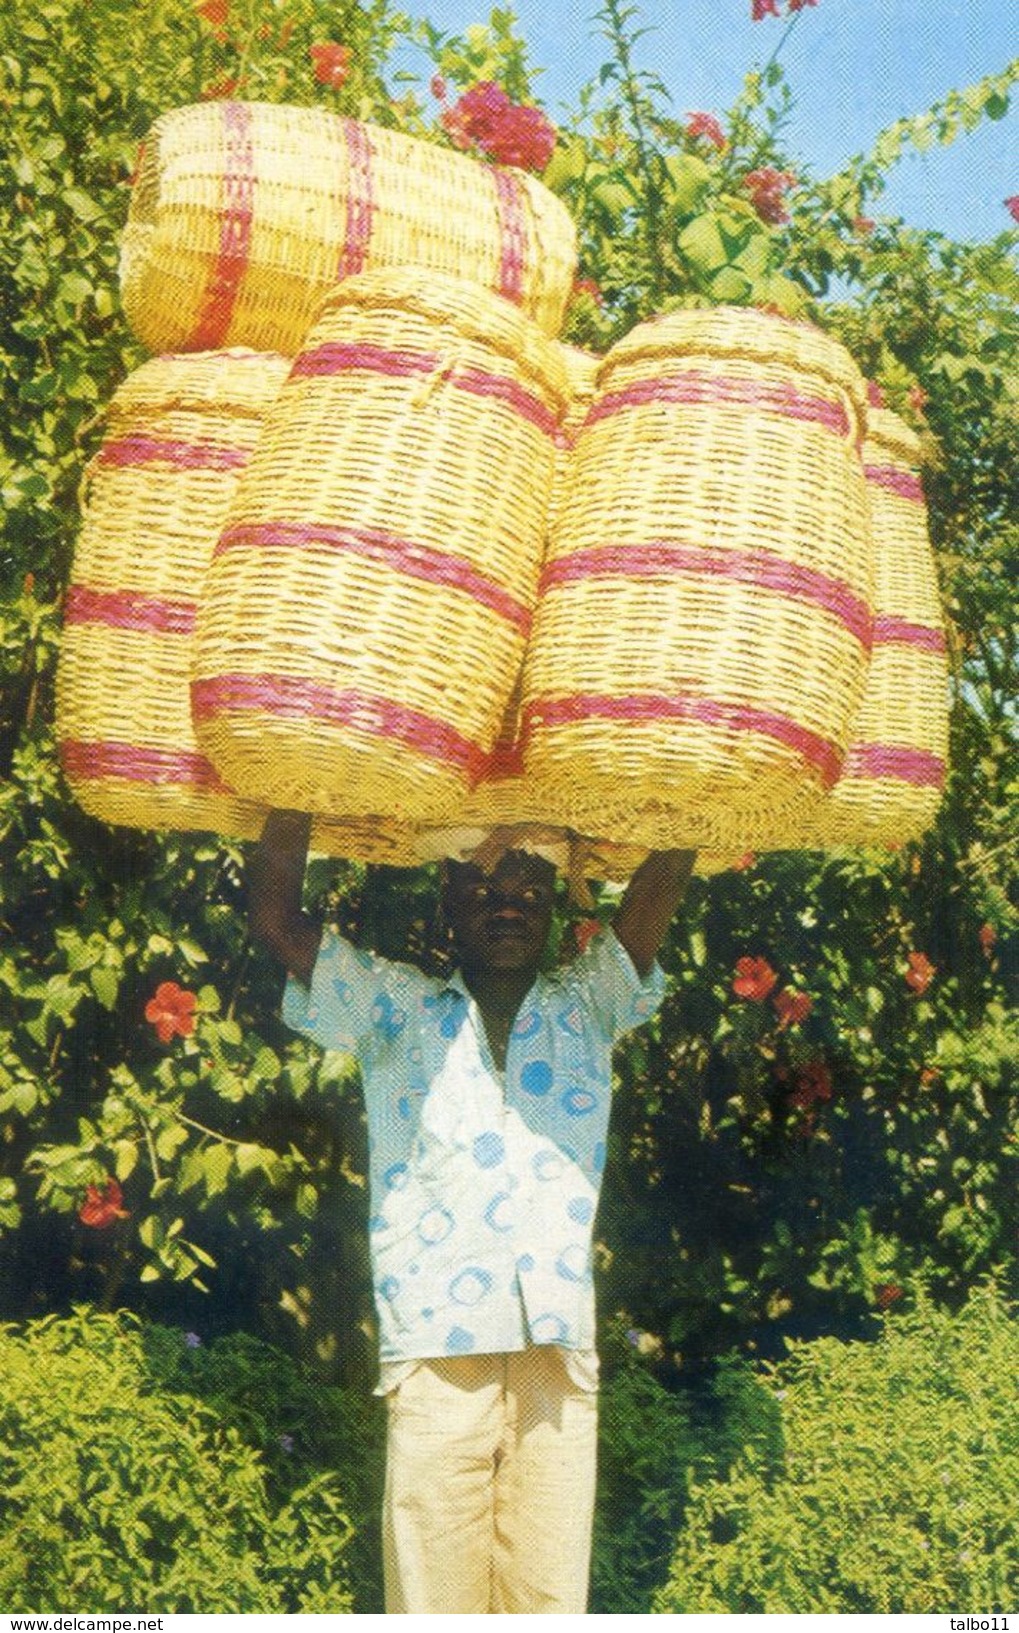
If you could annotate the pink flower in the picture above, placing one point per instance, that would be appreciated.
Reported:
(792, 1007)
(798, 5)
(437, 86)
(875, 396)
(863, 225)
(1012, 206)
(917, 399)
(920, 972)
(331, 62)
(763, 8)
(754, 979)
(706, 125)
(101, 1207)
(485, 118)
(171, 1010)
(767, 188)
(747, 860)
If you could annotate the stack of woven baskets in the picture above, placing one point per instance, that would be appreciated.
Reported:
(367, 540)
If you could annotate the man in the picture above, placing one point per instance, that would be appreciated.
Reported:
(488, 1099)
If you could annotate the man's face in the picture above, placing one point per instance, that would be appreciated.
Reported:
(500, 920)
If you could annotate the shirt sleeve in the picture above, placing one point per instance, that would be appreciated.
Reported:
(348, 988)
(613, 989)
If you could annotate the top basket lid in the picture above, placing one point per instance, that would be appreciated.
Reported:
(470, 310)
(743, 332)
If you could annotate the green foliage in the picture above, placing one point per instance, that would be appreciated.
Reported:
(118, 1491)
(892, 1492)
(732, 1214)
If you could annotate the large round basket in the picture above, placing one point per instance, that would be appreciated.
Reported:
(243, 215)
(372, 591)
(705, 616)
(179, 431)
(892, 780)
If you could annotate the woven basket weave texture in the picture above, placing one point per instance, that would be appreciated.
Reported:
(891, 784)
(371, 593)
(178, 432)
(244, 215)
(705, 616)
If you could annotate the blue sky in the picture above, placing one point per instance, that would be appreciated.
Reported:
(854, 66)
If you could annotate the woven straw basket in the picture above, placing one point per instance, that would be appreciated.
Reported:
(504, 797)
(891, 783)
(244, 215)
(371, 594)
(705, 616)
(178, 433)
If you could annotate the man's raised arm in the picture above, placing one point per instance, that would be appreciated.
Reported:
(651, 899)
(276, 876)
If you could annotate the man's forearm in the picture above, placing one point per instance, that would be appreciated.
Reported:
(276, 878)
(652, 897)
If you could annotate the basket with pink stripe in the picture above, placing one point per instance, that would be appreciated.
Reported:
(244, 214)
(371, 593)
(705, 613)
(894, 773)
(179, 431)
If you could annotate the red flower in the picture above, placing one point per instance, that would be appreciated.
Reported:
(1012, 206)
(987, 936)
(101, 1207)
(747, 860)
(920, 972)
(863, 224)
(587, 286)
(875, 396)
(798, 5)
(437, 86)
(792, 1007)
(331, 62)
(584, 932)
(706, 125)
(811, 1083)
(215, 12)
(754, 978)
(171, 1011)
(763, 8)
(767, 188)
(886, 1293)
(508, 132)
(221, 91)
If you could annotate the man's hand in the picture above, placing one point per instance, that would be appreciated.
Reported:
(275, 915)
(651, 899)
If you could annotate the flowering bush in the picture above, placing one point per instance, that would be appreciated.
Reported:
(486, 119)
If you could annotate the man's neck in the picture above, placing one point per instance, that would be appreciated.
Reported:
(498, 992)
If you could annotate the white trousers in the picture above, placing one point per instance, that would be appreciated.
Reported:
(490, 1477)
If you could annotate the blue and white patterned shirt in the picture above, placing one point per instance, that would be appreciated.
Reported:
(483, 1185)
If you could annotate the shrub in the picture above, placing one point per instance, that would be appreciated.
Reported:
(895, 1487)
(117, 1492)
